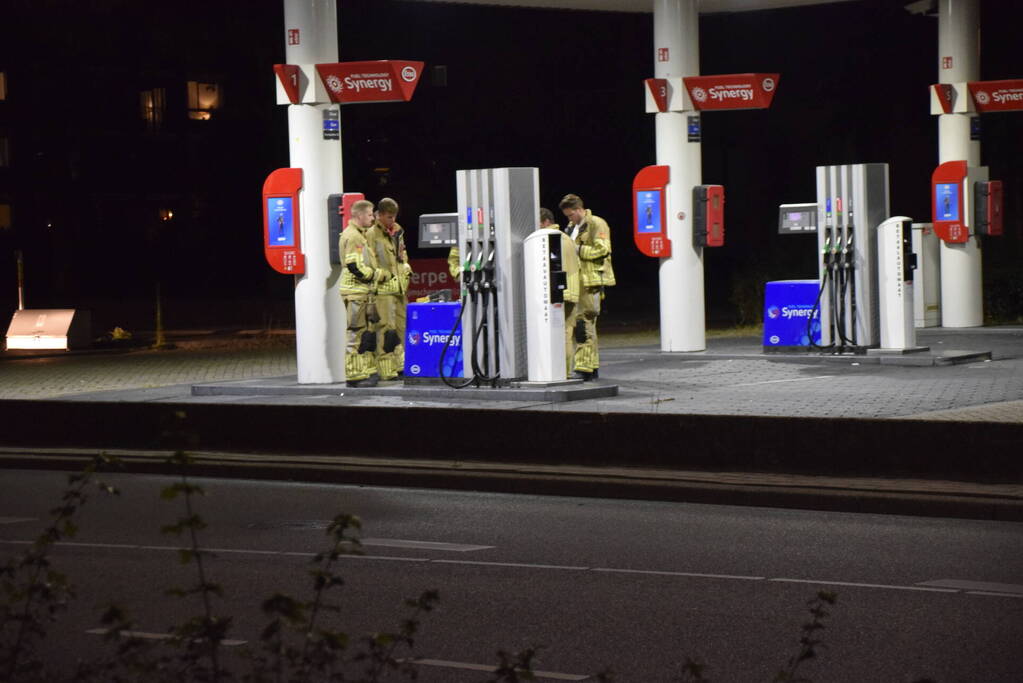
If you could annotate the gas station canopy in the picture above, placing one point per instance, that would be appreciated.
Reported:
(706, 6)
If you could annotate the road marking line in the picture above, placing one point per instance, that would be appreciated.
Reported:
(394, 558)
(997, 595)
(777, 381)
(242, 551)
(553, 675)
(17, 520)
(940, 586)
(870, 585)
(509, 564)
(986, 586)
(424, 545)
(667, 573)
(145, 635)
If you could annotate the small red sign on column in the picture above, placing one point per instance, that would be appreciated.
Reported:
(946, 62)
(662, 54)
(658, 88)
(287, 74)
(293, 36)
(946, 93)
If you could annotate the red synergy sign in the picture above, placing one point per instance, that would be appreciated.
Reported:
(997, 95)
(732, 91)
(386, 80)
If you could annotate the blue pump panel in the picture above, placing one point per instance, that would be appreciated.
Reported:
(427, 328)
(788, 306)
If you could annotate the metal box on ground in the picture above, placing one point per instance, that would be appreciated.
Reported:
(49, 328)
(427, 329)
(788, 308)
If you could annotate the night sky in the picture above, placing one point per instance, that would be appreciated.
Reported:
(558, 90)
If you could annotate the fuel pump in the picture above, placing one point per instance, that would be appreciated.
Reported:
(895, 265)
(497, 209)
(546, 281)
(852, 201)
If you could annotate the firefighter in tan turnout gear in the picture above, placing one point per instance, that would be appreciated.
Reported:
(387, 239)
(360, 277)
(592, 238)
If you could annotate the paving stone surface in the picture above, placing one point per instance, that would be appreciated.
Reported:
(733, 377)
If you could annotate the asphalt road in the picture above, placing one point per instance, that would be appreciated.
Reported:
(636, 586)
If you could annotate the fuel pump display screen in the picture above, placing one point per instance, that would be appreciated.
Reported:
(946, 201)
(438, 230)
(648, 211)
(281, 228)
(797, 218)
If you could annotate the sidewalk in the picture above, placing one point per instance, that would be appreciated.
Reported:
(730, 424)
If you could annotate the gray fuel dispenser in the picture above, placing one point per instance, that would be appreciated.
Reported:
(852, 201)
(497, 209)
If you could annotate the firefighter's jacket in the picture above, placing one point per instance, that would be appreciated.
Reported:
(593, 240)
(390, 254)
(360, 273)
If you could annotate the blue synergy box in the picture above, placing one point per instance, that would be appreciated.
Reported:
(427, 328)
(788, 305)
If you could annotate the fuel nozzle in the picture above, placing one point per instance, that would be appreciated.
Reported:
(836, 252)
(488, 271)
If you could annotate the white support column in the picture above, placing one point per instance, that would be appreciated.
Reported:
(959, 61)
(676, 28)
(319, 315)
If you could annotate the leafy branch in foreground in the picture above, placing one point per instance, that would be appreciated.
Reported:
(809, 641)
(201, 635)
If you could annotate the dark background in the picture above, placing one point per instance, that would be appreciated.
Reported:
(558, 90)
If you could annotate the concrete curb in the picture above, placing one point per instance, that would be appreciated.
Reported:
(745, 460)
(740, 443)
(918, 498)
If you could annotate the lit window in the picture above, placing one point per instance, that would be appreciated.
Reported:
(3, 85)
(203, 98)
(153, 103)
(5, 216)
